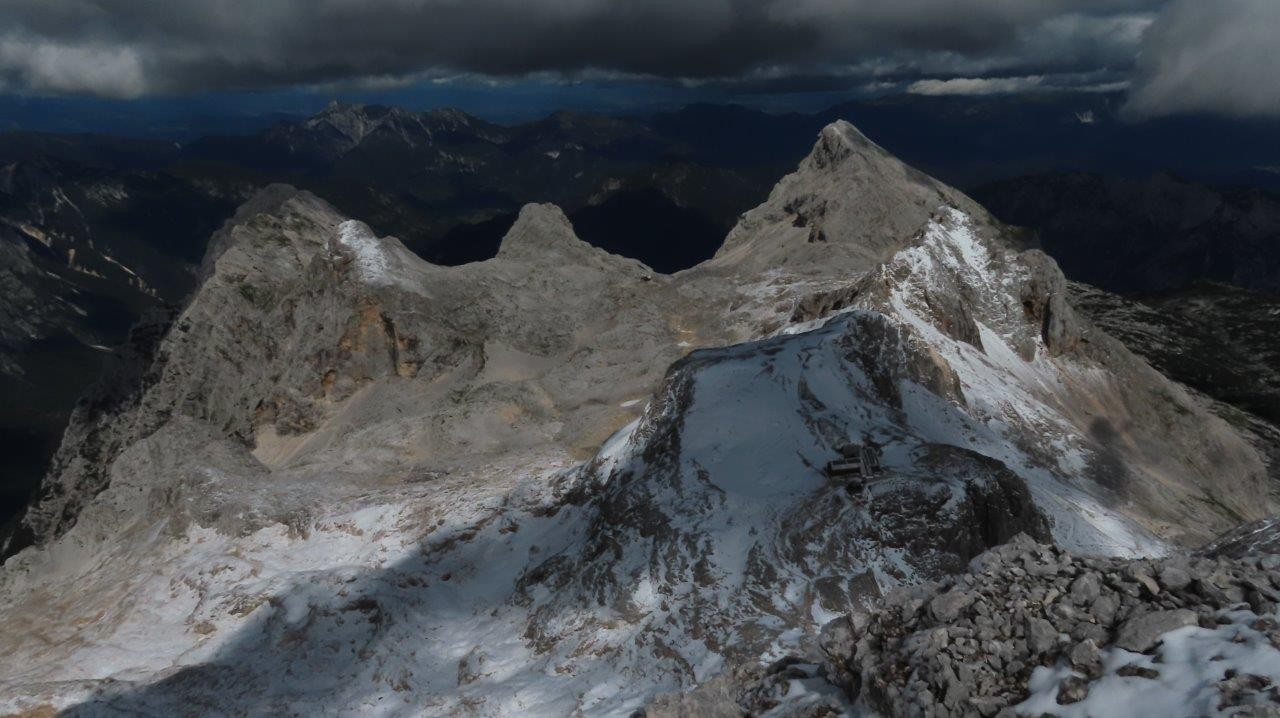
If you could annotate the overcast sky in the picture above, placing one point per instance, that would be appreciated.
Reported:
(1172, 56)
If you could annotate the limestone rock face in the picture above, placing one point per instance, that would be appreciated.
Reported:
(1044, 296)
(849, 205)
(303, 312)
(556, 481)
(80, 261)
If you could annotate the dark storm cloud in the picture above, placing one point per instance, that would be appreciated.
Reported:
(127, 48)
(1218, 57)
(1198, 55)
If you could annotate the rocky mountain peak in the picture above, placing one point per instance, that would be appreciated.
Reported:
(351, 120)
(542, 233)
(277, 235)
(840, 140)
(451, 116)
(245, 230)
(849, 204)
(339, 107)
(519, 468)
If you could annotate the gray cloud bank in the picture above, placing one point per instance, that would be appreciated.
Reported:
(1220, 56)
(127, 48)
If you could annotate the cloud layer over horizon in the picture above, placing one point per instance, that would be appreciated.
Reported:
(125, 49)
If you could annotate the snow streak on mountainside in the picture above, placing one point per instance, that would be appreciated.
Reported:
(1069, 397)
(556, 481)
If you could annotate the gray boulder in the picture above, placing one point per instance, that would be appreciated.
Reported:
(1142, 632)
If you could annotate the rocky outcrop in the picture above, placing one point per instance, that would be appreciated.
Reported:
(212, 362)
(1045, 299)
(85, 252)
(1033, 630)
(1033, 623)
(105, 423)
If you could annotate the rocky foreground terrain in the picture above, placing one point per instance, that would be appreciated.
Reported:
(556, 482)
(1034, 630)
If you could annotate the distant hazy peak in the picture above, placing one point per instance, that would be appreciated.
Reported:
(451, 115)
(353, 121)
(344, 114)
(339, 106)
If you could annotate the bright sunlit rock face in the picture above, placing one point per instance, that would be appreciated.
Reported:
(556, 481)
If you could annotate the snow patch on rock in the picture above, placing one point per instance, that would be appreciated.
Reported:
(1194, 672)
(370, 259)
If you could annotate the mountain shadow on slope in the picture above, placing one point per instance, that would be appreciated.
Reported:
(466, 243)
(1216, 338)
(1146, 234)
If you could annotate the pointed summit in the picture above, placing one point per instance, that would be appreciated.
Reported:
(838, 141)
(849, 205)
(538, 230)
(340, 106)
(542, 235)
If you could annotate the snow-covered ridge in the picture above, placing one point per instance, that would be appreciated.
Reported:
(1037, 375)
